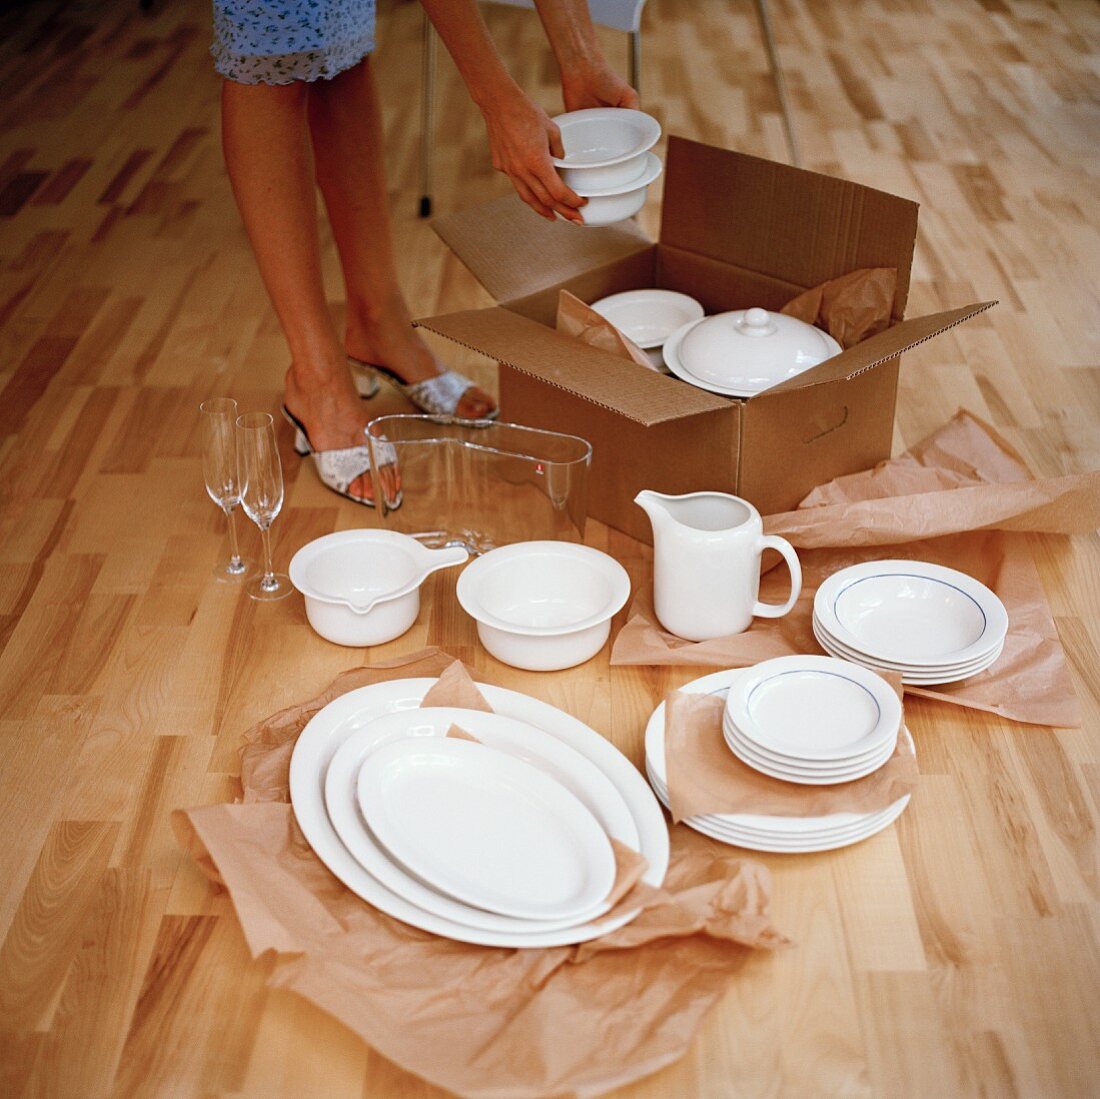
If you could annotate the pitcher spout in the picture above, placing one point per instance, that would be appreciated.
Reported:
(655, 505)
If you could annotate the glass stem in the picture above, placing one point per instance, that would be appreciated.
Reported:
(269, 582)
(234, 548)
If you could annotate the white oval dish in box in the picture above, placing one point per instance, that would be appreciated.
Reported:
(745, 351)
(362, 587)
(649, 317)
(543, 606)
(607, 205)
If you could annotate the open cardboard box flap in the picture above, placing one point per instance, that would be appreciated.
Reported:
(882, 347)
(485, 237)
(794, 226)
(641, 395)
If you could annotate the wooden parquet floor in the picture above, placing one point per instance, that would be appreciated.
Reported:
(957, 954)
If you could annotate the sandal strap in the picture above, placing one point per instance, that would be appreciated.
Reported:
(439, 395)
(339, 468)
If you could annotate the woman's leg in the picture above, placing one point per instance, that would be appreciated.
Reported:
(265, 140)
(346, 126)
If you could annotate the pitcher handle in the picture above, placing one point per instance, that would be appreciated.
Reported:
(776, 610)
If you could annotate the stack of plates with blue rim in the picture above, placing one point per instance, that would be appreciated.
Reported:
(812, 720)
(927, 623)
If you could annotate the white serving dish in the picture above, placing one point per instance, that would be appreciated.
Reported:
(924, 616)
(486, 828)
(745, 351)
(604, 145)
(607, 205)
(649, 317)
(362, 587)
(543, 606)
(340, 719)
(516, 738)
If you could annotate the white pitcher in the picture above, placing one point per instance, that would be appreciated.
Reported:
(706, 563)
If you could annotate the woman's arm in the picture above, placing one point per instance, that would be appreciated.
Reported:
(521, 136)
(586, 80)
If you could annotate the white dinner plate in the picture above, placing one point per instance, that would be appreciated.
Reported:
(578, 774)
(966, 667)
(923, 677)
(812, 766)
(912, 613)
(801, 775)
(486, 828)
(756, 842)
(718, 683)
(719, 823)
(333, 724)
(814, 707)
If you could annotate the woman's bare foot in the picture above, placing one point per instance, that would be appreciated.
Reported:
(325, 400)
(391, 341)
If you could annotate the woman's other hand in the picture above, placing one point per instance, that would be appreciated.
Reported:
(595, 86)
(522, 138)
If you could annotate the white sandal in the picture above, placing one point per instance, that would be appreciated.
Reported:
(438, 396)
(338, 468)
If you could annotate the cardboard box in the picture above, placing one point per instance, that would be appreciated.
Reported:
(736, 231)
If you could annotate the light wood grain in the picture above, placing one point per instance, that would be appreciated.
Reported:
(957, 954)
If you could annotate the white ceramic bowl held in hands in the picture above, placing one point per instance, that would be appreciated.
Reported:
(543, 606)
(744, 352)
(607, 205)
(362, 587)
(604, 146)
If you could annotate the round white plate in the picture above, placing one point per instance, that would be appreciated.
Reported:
(332, 725)
(913, 678)
(822, 633)
(648, 317)
(719, 823)
(486, 828)
(814, 707)
(516, 738)
(811, 766)
(755, 842)
(804, 776)
(912, 613)
(718, 683)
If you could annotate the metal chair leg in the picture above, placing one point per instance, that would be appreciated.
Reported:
(780, 82)
(636, 61)
(427, 96)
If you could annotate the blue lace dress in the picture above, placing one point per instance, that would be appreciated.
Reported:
(280, 41)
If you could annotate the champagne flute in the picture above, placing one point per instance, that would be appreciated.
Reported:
(219, 469)
(261, 476)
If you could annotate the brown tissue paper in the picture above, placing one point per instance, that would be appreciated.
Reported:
(849, 308)
(482, 1022)
(959, 498)
(583, 323)
(704, 776)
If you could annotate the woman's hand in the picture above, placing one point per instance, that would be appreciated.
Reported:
(522, 139)
(595, 86)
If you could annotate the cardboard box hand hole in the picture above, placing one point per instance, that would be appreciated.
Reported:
(736, 232)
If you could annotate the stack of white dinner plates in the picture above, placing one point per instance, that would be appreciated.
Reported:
(502, 840)
(928, 623)
(756, 831)
(813, 720)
